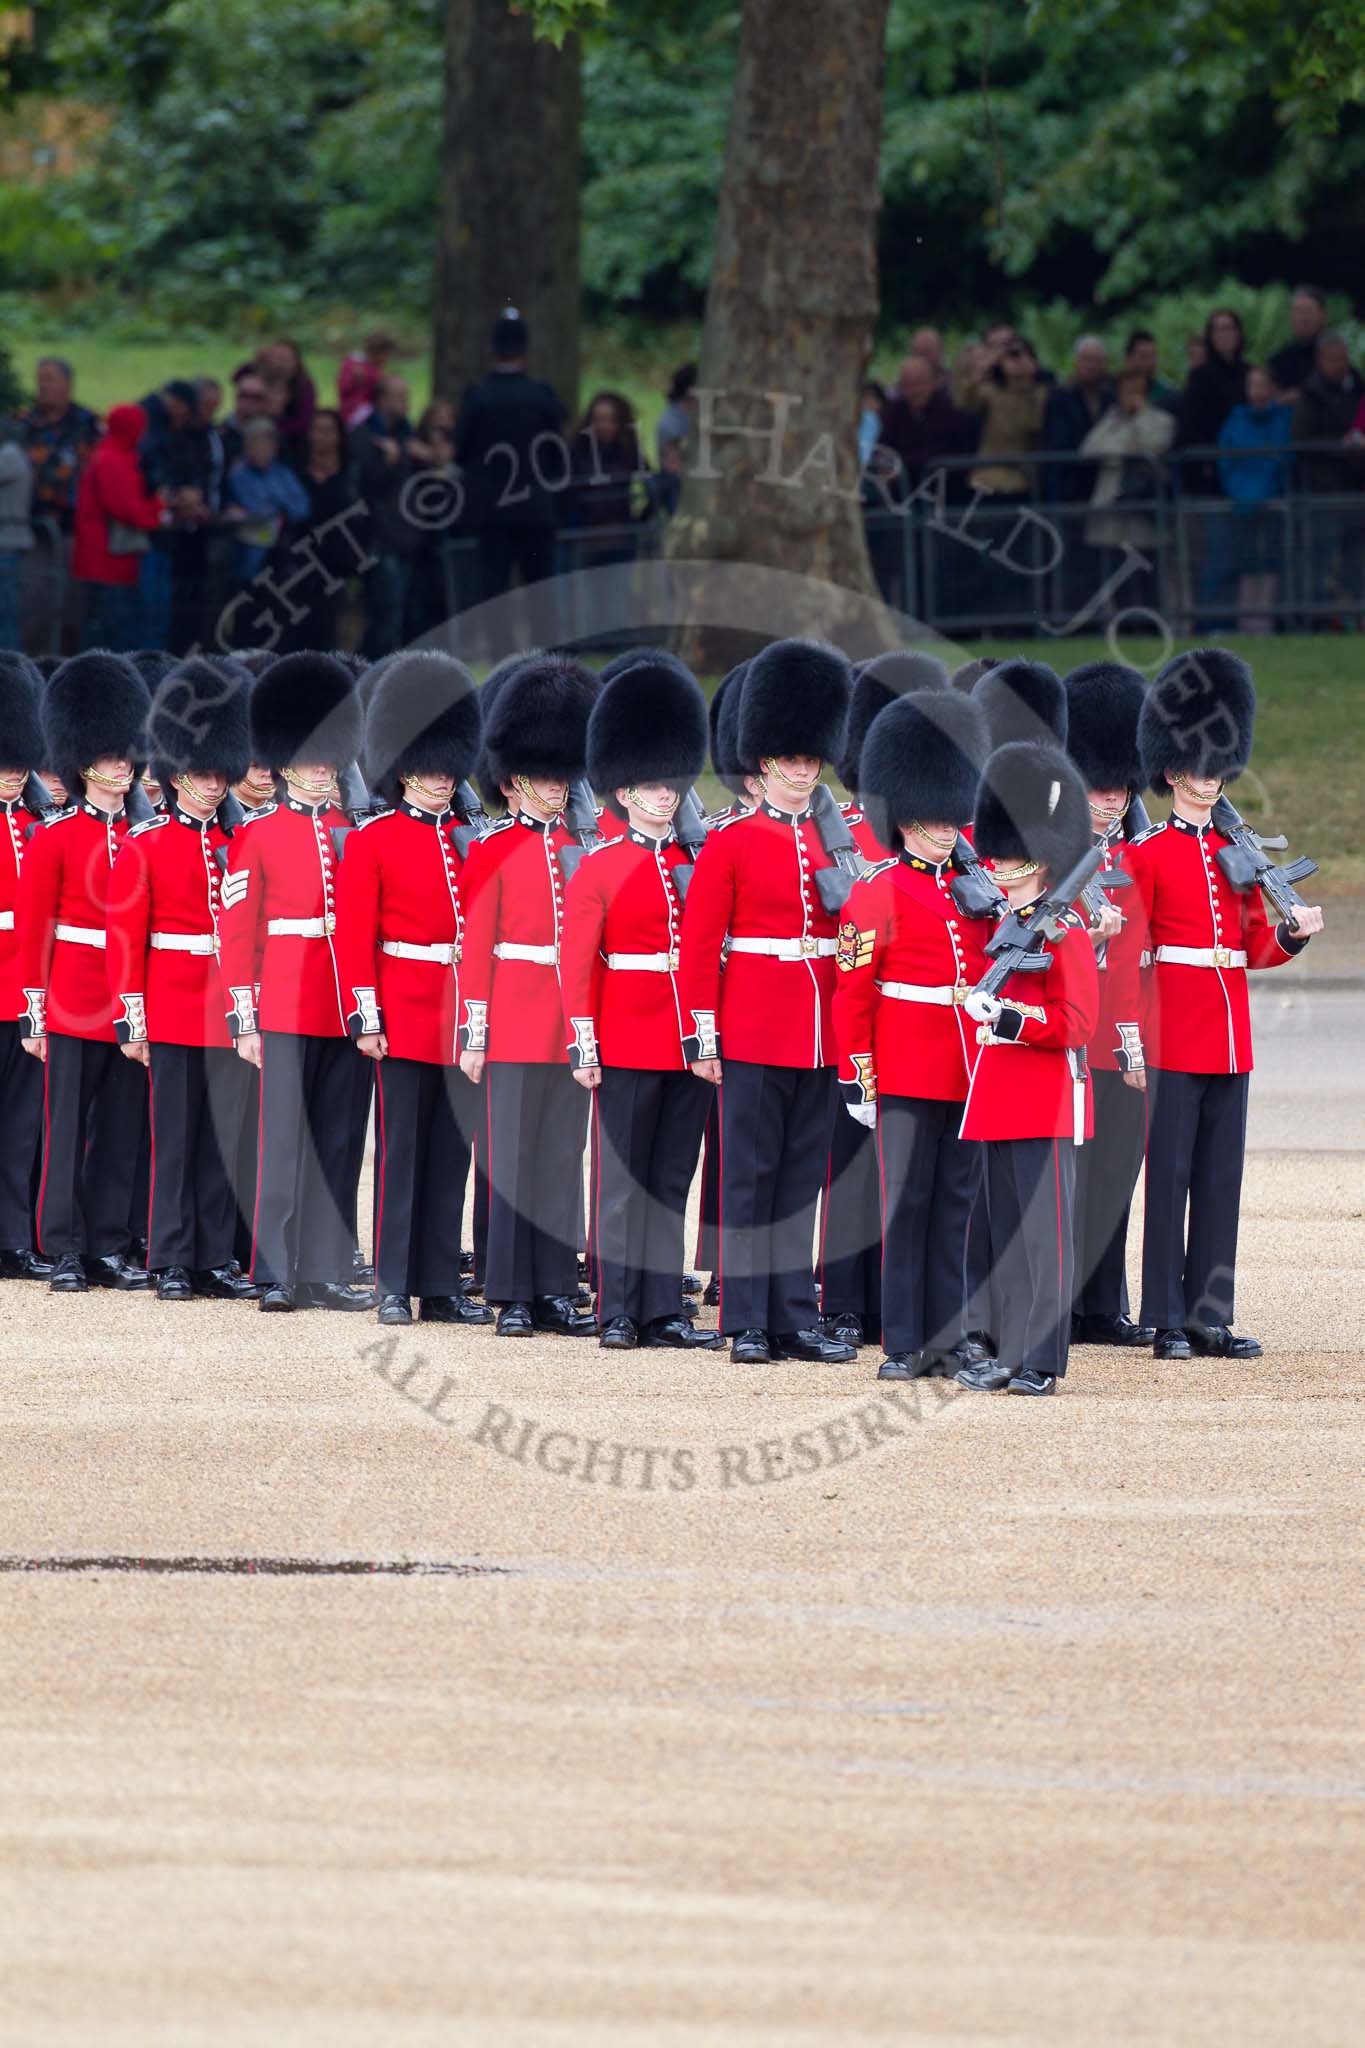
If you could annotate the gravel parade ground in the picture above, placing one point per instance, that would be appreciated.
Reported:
(668, 1703)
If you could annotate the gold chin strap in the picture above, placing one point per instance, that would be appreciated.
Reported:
(190, 788)
(945, 845)
(1183, 782)
(436, 796)
(10, 785)
(121, 783)
(314, 791)
(769, 767)
(1108, 818)
(1019, 874)
(660, 817)
(528, 795)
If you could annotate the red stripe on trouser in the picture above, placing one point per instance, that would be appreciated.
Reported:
(151, 1153)
(1061, 1261)
(383, 1160)
(260, 1155)
(720, 1203)
(47, 1149)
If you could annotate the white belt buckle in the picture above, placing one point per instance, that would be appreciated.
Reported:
(960, 993)
(810, 947)
(1222, 956)
(673, 961)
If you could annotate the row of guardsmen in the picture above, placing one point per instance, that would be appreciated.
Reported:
(315, 918)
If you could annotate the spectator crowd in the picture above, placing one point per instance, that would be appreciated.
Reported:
(304, 522)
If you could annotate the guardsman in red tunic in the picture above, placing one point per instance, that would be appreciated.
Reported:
(94, 711)
(512, 1012)
(906, 961)
(21, 1078)
(763, 1029)
(400, 941)
(1028, 1102)
(282, 986)
(850, 1265)
(162, 967)
(1104, 703)
(623, 1021)
(1192, 1032)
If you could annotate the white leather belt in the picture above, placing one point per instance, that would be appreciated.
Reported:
(912, 992)
(183, 942)
(80, 935)
(6, 920)
(1202, 956)
(644, 963)
(539, 956)
(444, 954)
(786, 949)
(301, 927)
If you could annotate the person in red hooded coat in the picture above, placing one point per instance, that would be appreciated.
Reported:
(114, 506)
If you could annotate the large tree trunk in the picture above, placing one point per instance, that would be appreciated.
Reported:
(790, 310)
(509, 195)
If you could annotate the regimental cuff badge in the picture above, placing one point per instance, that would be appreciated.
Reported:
(35, 1013)
(242, 1015)
(1129, 1051)
(367, 1010)
(854, 948)
(583, 1052)
(131, 1027)
(702, 1044)
(474, 1030)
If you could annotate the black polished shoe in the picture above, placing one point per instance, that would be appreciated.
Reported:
(113, 1270)
(514, 1320)
(677, 1333)
(395, 1308)
(559, 1315)
(362, 1272)
(1215, 1340)
(275, 1299)
(843, 1329)
(226, 1283)
(1121, 1330)
(68, 1275)
(13, 1265)
(691, 1283)
(750, 1347)
(907, 1365)
(174, 1284)
(453, 1308)
(812, 1346)
(710, 1294)
(1032, 1383)
(37, 1267)
(986, 1378)
(333, 1294)
(968, 1350)
(620, 1334)
(1170, 1344)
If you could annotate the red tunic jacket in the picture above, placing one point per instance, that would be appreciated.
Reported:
(1025, 1086)
(1122, 965)
(17, 827)
(513, 892)
(755, 879)
(622, 900)
(167, 881)
(399, 886)
(1197, 1018)
(901, 926)
(283, 866)
(63, 986)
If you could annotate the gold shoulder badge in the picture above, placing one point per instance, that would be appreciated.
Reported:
(854, 948)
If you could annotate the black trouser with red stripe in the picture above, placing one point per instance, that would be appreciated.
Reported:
(1106, 1174)
(21, 1128)
(199, 1097)
(424, 1128)
(649, 1129)
(1196, 1144)
(708, 1226)
(774, 1143)
(1031, 1184)
(95, 1105)
(930, 1180)
(537, 1124)
(851, 1224)
(305, 1201)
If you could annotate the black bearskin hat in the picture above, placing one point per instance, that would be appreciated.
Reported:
(1022, 700)
(648, 725)
(94, 704)
(21, 733)
(423, 718)
(794, 701)
(198, 720)
(47, 665)
(640, 657)
(255, 660)
(970, 673)
(1032, 805)
(488, 697)
(537, 724)
(153, 664)
(304, 708)
(1103, 706)
(724, 722)
(354, 664)
(1198, 717)
(877, 683)
(921, 762)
